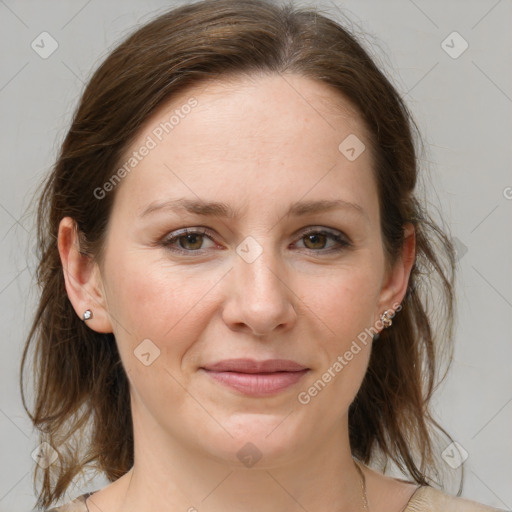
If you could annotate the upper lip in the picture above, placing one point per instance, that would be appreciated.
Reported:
(253, 366)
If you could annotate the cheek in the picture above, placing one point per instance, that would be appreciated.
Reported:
(346, 303)
(151, 301)
(161, 314)
(346, 309)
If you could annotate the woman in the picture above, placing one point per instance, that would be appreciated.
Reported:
(231, 267)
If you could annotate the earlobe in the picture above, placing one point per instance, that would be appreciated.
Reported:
(82, 279)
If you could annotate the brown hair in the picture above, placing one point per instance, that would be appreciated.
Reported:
(80, 381)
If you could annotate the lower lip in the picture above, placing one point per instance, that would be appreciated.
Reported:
(257, 384)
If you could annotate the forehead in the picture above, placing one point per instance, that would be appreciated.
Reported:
(274, 133)
(277, 107)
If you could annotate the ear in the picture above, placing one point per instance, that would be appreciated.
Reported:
(82, 277)
(397, 278)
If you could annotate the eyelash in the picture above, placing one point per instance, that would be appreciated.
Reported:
(342, 242)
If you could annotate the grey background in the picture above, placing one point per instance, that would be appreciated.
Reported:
(463, 107)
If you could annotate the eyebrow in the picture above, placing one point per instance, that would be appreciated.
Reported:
(219, 209)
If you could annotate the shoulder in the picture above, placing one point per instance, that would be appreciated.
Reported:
(428, 499)
(405, 496)
(77, 505)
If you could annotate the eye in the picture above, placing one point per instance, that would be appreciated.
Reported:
(190, 241)
(316, 239)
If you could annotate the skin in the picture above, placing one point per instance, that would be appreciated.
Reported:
(258, 145)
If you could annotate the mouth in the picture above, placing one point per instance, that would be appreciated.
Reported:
(256, 378)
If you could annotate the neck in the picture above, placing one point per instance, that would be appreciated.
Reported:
(171, 475)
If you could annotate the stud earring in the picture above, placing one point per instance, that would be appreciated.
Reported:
(386, 317)
(87, 315)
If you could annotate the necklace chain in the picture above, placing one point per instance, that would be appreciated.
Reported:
(363, 487)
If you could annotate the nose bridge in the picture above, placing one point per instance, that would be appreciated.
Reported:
(258, 267)
(263, 300)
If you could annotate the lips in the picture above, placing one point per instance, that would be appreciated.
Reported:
(253, 366)
(256, 378)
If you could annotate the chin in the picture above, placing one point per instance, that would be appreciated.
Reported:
(259, 441)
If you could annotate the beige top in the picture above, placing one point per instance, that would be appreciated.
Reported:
(425, 499)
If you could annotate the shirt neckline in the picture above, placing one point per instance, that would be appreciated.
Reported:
(415, 496)
(84, 498)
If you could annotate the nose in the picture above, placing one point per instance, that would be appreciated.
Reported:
(259, 299)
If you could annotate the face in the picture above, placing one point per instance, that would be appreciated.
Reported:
(259, 276)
